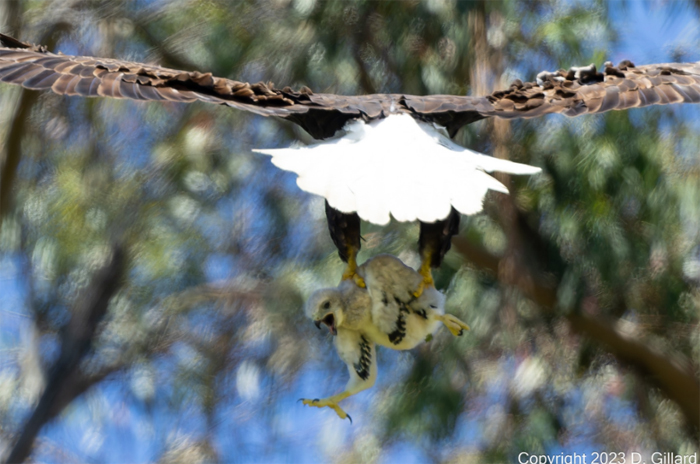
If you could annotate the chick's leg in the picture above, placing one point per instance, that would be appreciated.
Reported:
(358, 353)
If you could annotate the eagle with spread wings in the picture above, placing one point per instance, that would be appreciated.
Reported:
(378, 156)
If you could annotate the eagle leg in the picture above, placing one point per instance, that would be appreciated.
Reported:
(351, 270)
(435, 240)
(427, 282)
(454, 325)
(345, 233)
(330, 402)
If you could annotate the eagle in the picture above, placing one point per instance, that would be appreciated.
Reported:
(378, 155)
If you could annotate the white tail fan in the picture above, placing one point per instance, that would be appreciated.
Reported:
(396, 166)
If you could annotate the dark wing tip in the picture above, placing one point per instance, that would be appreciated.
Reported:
(584, 89)
(11, 42)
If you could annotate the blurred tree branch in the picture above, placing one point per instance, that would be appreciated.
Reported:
(362, 33)
(65, 380)
(672, 373)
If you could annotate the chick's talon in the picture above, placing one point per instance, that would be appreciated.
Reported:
(453, 324)
(327, 403)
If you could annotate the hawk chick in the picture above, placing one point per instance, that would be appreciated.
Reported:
(385, 313)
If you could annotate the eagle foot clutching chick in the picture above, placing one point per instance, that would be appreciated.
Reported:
(386, 312)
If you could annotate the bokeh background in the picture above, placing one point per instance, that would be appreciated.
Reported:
(581, 288)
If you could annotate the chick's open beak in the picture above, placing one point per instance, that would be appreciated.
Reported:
(329, 320)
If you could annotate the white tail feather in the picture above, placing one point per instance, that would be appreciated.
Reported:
(395, 166)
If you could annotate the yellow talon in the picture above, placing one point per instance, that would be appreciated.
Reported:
(359, 281)
(351, 272)
(454, 325)
(331, 402)
(427, 278)
(419, 290)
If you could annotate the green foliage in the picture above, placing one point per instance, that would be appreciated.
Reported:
(425, 406)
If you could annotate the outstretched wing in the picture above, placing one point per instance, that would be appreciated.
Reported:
(573, 92)
(579, 90)
(402, 318)
(34, 67)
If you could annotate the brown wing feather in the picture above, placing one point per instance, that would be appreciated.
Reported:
(616, 88)
(91, 77)
(573, 92)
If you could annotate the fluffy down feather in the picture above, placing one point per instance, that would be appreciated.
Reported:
(399, 320)
(396, 166)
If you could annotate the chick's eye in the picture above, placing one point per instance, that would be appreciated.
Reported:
(326, 305)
